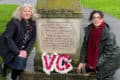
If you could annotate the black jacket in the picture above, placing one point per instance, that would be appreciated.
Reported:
(9, 40)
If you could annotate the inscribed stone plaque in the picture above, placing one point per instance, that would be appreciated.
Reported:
(58, 37)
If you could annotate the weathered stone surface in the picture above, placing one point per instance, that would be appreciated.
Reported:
(55, 76)
(60, 35)
(57, 31)
(59, 8)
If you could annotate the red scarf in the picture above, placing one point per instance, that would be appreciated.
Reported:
(93, 46)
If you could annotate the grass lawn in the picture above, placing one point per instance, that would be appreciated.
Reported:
(5, 15)
(111, 7)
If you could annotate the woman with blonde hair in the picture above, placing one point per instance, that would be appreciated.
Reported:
(18, 39)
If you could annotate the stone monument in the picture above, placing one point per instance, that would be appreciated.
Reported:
(58, 31)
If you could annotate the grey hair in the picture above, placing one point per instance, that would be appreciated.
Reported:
(17, 12)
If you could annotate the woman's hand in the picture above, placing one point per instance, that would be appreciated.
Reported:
(23, 53)
(80, 66)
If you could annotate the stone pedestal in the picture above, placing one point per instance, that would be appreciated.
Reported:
(60, 35)
(55, 76)
(59, 29)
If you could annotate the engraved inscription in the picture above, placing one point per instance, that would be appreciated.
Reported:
(58, 37)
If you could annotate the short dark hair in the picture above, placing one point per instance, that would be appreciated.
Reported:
(96, 11)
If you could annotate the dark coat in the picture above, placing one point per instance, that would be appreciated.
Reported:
(109, 52)
(10, 39)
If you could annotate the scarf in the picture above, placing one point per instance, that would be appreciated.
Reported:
(93, 46)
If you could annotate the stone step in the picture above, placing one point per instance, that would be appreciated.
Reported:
(55, 76)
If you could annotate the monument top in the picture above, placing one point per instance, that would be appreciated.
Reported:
(59, 8)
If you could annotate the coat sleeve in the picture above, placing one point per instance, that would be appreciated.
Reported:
(83, 49)
(109, 49)
(83, 52)
(9, 34)
(32, 40)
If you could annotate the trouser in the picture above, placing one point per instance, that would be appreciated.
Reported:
(106, 78)
(110, 77)
(113, 76)
(14, 74)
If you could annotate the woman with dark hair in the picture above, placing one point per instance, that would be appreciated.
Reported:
(99, 53)
(18, 39)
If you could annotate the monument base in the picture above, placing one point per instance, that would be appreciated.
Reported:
(60, 35)
(55, 76)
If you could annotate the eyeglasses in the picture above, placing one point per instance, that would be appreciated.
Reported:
(97, 17)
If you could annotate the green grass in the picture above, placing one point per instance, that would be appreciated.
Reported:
(5, 15)
(111, 7)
